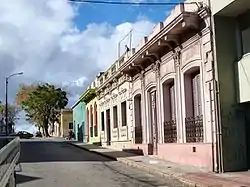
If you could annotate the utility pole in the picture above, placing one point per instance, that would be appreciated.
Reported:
(6, 101)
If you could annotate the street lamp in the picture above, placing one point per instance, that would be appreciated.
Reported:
(6, 100)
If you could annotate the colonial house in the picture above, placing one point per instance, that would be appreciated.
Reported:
(115, 113)
(159, 97)
(66, 122)
(79, 121)
(92, 107)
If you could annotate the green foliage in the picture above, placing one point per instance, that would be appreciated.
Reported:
(43, 104)
(88, 95)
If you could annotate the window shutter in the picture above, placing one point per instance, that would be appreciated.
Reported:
(195, 96)
(199, 95)
(172, 102)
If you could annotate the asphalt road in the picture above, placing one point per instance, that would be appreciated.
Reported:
(57, 164)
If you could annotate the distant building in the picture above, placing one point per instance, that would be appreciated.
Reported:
(66, 122)
(92, 118)
(79, 121)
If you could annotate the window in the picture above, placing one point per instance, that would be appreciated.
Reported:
(103, 122)
(91, 121)
(95, 123)
(124, 113)
(194, 119)
(115, 117)
(70, 125)
(170, 131)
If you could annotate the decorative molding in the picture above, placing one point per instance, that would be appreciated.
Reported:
(176, 57)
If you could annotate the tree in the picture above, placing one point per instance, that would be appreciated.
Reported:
(12, 115)
(42, 103)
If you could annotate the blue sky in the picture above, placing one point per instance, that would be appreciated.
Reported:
(117, 14)
(61, 53)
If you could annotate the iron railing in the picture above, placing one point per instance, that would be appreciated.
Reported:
(138, 134)
(170, 132)
(9, 156)
(194, 129)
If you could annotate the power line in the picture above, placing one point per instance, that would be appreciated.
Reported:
(126, 3)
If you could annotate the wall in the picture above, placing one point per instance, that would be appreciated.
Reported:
(122, 135)
(232, 114)
(94, 139)
(79, 115)
(218, 5)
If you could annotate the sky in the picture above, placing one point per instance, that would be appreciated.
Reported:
(66, 44)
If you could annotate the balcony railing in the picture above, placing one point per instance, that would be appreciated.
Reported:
(194, 129)
(138, 134)
(170, 132)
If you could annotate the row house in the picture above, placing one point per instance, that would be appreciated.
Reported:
(115, 110)
(159, 97)
(91, 108)
(79, 121)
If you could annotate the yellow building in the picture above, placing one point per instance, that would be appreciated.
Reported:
(66, 122)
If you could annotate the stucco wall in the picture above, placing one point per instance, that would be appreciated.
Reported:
(218, 5)
(118, 95)
(232, 114)
(79, 115)
(97, 138)
(66, 118)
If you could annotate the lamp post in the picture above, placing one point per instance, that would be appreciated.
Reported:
(6, 100)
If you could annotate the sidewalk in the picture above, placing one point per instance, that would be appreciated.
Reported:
(192, 176)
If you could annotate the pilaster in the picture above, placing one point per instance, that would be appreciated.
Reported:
(143, 109)
(178, 85)
(158, 101)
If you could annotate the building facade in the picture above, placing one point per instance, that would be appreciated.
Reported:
(232, 65)
(79, 121)
(92, 108)
(159, 97)
(115, 114)
(66, 122)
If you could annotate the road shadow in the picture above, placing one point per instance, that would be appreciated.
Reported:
(25, 178)
(54, 151)
(108, 152)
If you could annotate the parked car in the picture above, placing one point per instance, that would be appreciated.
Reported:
(23, 134)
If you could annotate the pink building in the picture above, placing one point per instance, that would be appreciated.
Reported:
(161, 97)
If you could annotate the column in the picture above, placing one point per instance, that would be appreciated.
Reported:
(143, 107)
(179, 110)
(158, 102)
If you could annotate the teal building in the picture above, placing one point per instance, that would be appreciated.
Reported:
(79, 124)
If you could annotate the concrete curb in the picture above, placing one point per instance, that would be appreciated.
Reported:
(186, 182)
(149, 170)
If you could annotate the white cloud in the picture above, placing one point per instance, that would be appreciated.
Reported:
(40, 38)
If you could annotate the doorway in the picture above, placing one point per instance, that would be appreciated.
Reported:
(108, 126)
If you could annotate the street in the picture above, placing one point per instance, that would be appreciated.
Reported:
(48, 163)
